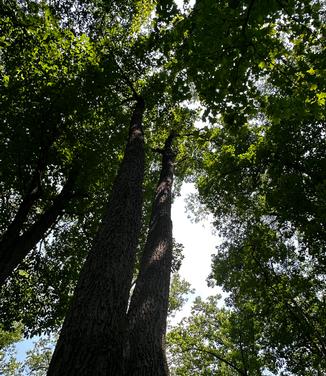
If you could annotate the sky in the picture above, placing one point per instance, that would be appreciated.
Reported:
(199, 245)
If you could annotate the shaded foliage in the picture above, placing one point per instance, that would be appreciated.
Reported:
(255, 69)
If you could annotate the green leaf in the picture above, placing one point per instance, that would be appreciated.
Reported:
(311, 71)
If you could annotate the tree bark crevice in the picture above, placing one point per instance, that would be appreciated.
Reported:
(147, 314)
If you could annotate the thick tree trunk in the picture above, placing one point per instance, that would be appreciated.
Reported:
(91, 340)
(14, 248)
(145, 349)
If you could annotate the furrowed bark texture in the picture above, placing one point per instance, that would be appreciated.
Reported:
(91, 339)
(14, 249)
(145, 351)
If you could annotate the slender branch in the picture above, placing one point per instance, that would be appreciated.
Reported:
(168, 144)
(215, 355)
(245, 23)
(242, 354)
(126, 79)
(293, 311)
(157, 150)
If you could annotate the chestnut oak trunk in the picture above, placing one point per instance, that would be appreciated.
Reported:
(91, 339)
(145, 348)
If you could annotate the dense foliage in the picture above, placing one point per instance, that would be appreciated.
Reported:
(255, 71)
(264, 180)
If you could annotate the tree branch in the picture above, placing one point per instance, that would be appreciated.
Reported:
(294, 311)
(245, 23)
(12, 254)
(32, 194)
(127, 80)
(215, 355)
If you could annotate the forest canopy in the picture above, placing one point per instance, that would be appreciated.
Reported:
(106, 101)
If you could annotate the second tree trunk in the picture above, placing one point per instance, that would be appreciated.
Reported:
(145, 349)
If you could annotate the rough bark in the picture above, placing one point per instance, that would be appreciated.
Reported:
(91, 339)
(145, 349)
(15, 248)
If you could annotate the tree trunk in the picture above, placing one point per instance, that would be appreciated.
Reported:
(90, 343)
(14, 248)
(145, 349)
